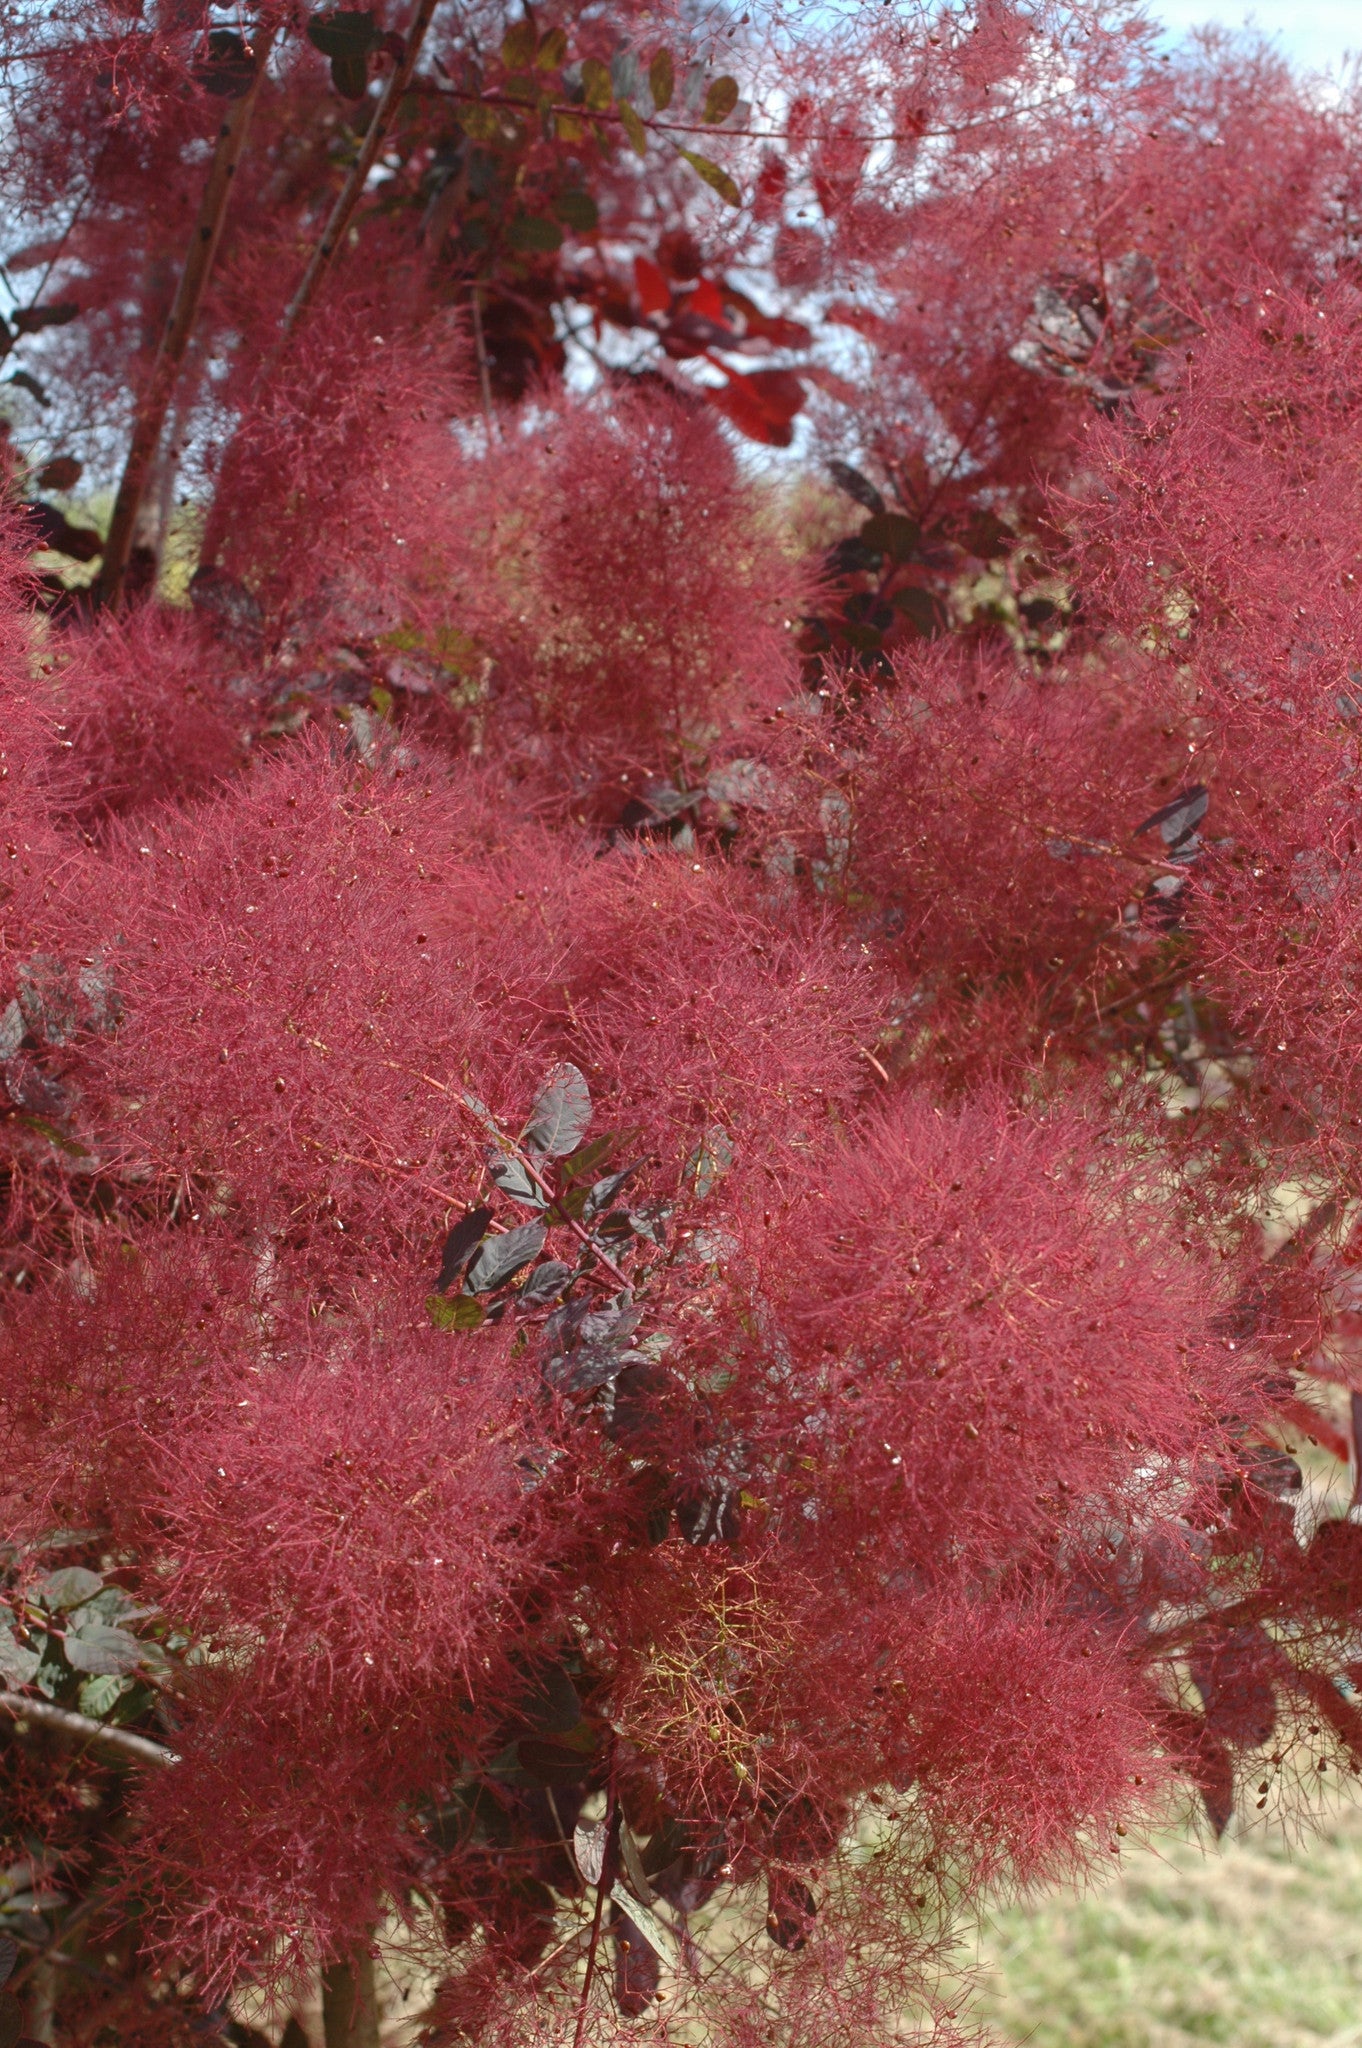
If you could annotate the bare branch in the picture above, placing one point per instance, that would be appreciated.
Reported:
(80, 1728)
(198, 265)
(348, 198)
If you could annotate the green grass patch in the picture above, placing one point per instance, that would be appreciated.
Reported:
(1256, 1944)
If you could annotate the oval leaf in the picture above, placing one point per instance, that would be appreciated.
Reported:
(577, 210)
(533, 235)
(460, 1312)
(545, 1283)
(717, 179)
(648, 1925)
(344, 32)
(17, 1665)
(70, 1587)
(634, 129)
(500, 1258)
(588, 1847)
(519, 45)
(99, 1696)
(99, 1649)
(892, 534)
(721, 99)
(350, 76)
(561, 1113)
(850, 479)
(662, 80)
(596, 86)
(461, 1243)
(513, 1178)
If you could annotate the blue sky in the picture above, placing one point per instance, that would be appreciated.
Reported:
(1316, 33)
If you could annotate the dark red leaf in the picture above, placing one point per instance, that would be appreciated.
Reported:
(651, 288)
(460, 1245)
(637, 1970)
(761, 405)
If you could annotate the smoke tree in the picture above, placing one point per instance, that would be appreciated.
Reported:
(679, 958)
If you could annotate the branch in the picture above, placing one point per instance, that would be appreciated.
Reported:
(348, 198)
(583, 2003)
(198, 264)
(80, 1728)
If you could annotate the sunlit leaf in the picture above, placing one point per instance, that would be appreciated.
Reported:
(721, 99)
(662, 80)
(714, 176)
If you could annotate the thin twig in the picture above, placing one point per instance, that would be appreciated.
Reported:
(348, 198)
(568, 1942)
(1141, 994)
(49, 1951)
(58, 249)
(198, 264)
(80, 1728)
(1103, 846)
(576, 111)
(484, 379)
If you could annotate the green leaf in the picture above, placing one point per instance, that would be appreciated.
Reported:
(582, 1164)
(72, 1586)
(721, 99)
(603, 1192)
(552, 50)
(98, 1696)
(482, 123)
(596, 87)
(45, 1129)
(648, 1925)
(718, 180)
(577, 210)
(545, 1283)
(634, 129)
(561, 1112)
(17, 1665)
(662, 80)
(533, 235)
(588, 1850)
(518, 45)
(344, 32)
(633, 1864)
(462, 1313)
(499, 1259)
(112, 1604)
(514, 1180)
(100, 1649)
